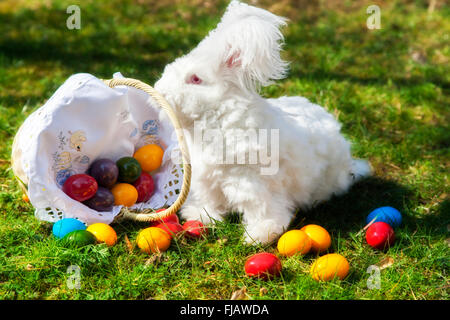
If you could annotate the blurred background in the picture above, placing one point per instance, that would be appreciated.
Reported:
(326, 39)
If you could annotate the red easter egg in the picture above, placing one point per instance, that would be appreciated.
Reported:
(172, 228)
(144, 186)
(263, 265)
(80, 187)
(172, 218)
(194, 229)
(380, 235)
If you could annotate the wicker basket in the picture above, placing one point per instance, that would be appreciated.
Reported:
(144, 215)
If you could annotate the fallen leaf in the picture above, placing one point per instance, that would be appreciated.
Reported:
(418, 57)
(385, 263)
(128, 244)
(263, 291)
(444, 196)
(240, 294)
(154, 258)
(222, 241)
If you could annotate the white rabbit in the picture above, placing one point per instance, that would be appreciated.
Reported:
(214, 90)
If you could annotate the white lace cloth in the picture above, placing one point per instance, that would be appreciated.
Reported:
(86, 120)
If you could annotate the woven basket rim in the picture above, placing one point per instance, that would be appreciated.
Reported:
(146, 215)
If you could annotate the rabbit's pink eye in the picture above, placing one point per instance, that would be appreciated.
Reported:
(194, 79)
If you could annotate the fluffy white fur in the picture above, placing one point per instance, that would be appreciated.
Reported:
(233, 62)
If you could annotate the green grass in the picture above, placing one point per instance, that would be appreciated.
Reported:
(388, 87)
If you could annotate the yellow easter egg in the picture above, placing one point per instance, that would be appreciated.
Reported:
(320, 238)
(330, 266)
(294, 242)
(153, 239)
(103, 233)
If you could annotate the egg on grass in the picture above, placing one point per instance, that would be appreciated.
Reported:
(294, 242)
(320, 238)
(64, 226)
(103, 233)
(330, 266)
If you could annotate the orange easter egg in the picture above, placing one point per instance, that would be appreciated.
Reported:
(153, 239)
(329, 267)
(320, 238)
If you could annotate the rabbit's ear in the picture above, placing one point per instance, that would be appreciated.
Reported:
(249, 42)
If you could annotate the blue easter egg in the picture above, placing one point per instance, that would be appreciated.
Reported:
(67, 225)
(389, 215)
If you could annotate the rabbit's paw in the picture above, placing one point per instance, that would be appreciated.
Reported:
(262, 232)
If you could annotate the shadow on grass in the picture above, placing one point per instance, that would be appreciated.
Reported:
(347, 213)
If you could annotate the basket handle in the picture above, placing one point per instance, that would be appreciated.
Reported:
(147, 215)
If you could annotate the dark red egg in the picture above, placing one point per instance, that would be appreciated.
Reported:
(263, 265)
(194, 229)
(380, 235)
(80, 187)
(144, 186)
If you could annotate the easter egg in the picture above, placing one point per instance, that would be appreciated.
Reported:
(79, 238)
(380, 235)
(149, 157)
(194, 229)
(172, 228)
(105, 171)
(320, 238)
(263, 265)
(153, 240)
(103, 233)
(129, 169)
(389, 215)
(65, 226)
(329, 267)
(171, 218)
(103, 200)
(124, 194)
(80, 187)
(294, 242)
(144, 186)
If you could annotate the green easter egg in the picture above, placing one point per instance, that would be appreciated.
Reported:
(129, 169)
(79, 238)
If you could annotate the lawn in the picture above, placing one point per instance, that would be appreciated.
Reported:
(389, 87)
